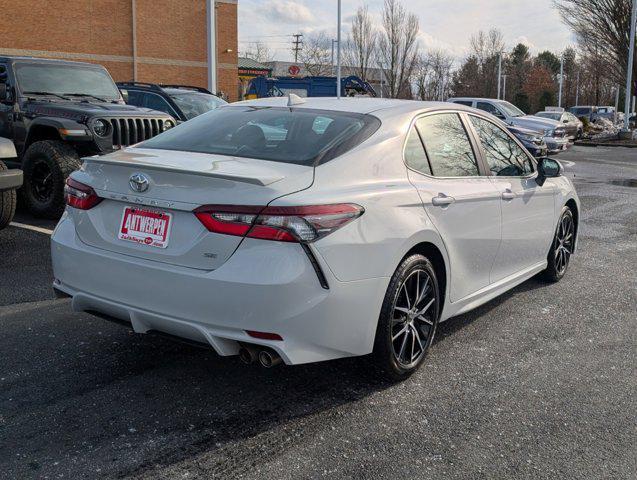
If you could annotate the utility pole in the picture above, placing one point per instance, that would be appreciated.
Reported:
(616, 103)
(629, 71)
(504, 87)
(338, 52)
(499, 72)
(382, 75)
(559, 98)
(298, 44)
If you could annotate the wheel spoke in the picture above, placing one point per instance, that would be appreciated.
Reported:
(402, 309)
(402, 330)
(404, 344)
(420, 312)
(413, 345)
(422, 295)
(422, 318)
(422, 347)
(407, 295)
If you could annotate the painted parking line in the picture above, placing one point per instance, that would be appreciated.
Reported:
(32, 228)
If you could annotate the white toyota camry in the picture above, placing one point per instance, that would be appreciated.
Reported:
(299, 230)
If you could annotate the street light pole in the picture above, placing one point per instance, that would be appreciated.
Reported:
(629, 71)
(504, 87)
(577, 90)
(559, 101)
(338, 53)
(499, 73)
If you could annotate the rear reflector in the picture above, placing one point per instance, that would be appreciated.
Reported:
(264, 335)
(284, 224)
(80, 196)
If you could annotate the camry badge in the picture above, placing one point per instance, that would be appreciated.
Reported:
(138, 182)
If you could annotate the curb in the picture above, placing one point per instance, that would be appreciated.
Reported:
(604, 144)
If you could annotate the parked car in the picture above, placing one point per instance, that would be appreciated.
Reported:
(574, 126)
(331, 242)
(56, 111)
(608, 112)
(10, 180)
(554, 132)
(588, 112)
(182, 102)
(532, 140)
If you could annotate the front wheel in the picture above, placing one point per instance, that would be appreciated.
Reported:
(562, 247)
(46, 165)
(408, 318)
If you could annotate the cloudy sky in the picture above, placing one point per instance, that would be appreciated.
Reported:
(445, 24)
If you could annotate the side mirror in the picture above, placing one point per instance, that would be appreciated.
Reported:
(124, 95)
(547, 168)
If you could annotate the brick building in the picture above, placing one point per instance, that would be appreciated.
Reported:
(160, 41)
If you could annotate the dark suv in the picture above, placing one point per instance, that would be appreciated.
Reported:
(57, 111)
(181, 101)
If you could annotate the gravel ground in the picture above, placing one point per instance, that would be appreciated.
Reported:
(539, 383)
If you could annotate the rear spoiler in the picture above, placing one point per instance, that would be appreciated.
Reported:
(240, 174)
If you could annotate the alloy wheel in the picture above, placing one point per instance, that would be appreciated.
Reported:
(413, 318)
(563, 246)
(42, 181)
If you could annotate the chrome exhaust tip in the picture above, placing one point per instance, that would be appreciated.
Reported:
(269, 358)
(248, 355)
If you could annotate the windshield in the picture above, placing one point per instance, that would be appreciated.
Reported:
(511, 110)
(194, 104)
(552, 115)
(66, 80)
(300, 136)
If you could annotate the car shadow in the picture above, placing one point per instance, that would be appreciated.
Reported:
(111, 395)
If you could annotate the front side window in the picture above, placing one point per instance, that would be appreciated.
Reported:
(155, 102)
(415, 156)
(63, 79)
(194, 104)
(447, 145)
(503, 155)
(269, 133)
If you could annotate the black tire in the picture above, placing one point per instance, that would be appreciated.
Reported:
(8, 200)
(46, 165)
(390, 323)
(561, 247)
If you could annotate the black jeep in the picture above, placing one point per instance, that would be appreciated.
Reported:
(57, 111)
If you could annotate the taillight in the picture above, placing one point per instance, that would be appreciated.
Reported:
(80, 196)
(304, 224)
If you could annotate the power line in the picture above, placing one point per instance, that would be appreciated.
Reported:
(297, 45)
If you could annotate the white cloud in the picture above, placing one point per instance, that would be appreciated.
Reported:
(287, 11)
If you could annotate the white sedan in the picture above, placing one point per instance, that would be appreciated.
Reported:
(307, 230)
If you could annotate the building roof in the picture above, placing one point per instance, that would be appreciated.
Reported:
(250, 64)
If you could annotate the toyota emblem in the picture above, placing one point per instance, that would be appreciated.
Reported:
(139, 182)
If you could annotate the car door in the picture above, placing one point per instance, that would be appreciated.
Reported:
(527, 208)
(463, 205)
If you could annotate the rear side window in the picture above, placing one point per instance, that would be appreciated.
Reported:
(503, 155)
(300, 136)
(487, 107)
(415, 156)
(467, 103)
(447, 145)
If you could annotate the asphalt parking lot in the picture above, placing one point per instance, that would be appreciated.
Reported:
(539, 383)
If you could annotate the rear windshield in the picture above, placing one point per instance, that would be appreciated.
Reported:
(300, 136)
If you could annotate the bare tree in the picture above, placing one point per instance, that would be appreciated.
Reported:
(360, 48)
(433, 75)
(316, 55)
(486, 47)
(602, 25)
(398, 48)
(259, 51)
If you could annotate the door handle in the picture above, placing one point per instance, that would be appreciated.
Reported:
(508, 195)
(442, 200)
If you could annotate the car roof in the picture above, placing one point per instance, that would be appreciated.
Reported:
(362, 105)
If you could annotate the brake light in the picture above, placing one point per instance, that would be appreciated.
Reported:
(80, 196)
(303, 224)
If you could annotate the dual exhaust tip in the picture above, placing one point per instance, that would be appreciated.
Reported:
(268, 358)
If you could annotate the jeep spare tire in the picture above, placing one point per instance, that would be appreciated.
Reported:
(7, 203)
(46, 165)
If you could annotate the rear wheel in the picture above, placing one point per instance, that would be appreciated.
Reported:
(7, 203)
(561, 248)
(408, 319)
(46, 166)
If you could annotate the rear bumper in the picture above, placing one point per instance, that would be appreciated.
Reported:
(265, 286)
(10, 179)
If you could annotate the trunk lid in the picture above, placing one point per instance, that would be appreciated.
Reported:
(178, 182)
